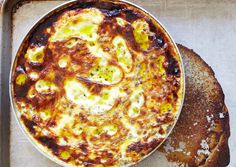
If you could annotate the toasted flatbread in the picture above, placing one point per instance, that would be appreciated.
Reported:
(200, 137)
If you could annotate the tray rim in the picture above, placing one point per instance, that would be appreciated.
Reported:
(5, 50)
(4, 5)
(7, 8)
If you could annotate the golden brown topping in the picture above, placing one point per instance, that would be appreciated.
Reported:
(98, 87)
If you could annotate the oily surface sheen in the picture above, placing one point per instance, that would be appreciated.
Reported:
(98, 84)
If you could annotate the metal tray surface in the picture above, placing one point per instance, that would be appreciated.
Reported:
(198, 24)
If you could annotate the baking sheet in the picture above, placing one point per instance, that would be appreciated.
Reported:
(198, 24)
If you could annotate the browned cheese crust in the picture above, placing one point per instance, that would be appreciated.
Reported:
(200, 137)
(98, 83)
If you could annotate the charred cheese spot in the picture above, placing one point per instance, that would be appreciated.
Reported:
(83, 25)
(141, 33)
(21, 79)
(35, 55)
(123, 55)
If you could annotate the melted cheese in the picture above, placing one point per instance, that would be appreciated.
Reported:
(83, 25)
(45, 86)
(141, 33)
(123, 55)
(35, 55)
(110, 129)
(61, 124)
(137, 101)
(21, 79)
(106, 74)
(63, 62)
(33, 75)
(95, 104)
(94, 94)
(121, 22)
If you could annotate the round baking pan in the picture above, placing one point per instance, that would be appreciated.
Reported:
(40, 24)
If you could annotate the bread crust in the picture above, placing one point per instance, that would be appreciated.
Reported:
(200, 137)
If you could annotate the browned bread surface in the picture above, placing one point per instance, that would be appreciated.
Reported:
(200, 137)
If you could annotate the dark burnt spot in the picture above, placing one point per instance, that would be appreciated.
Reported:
(161, 131)
(94, 88)
(167, 118)
(108, 27)
(110, 10)
(155, 111)
(152, 26)
(40, 39)
(48, 54)
(58, 80)
(40, 36)
(29, 124)
(84, 148)
(173, 66)
(21, 61)
(51, 123)
(20, 91)
(83, 118)
(35, 66)
(49, 143)
(136, 147)
(127, 33)
(43, 100)
(154, 143)
(175, 96)
(82, 4)
(112, 13)
(131, 15)
(158, 41)
(176, 83)
(139, 147)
